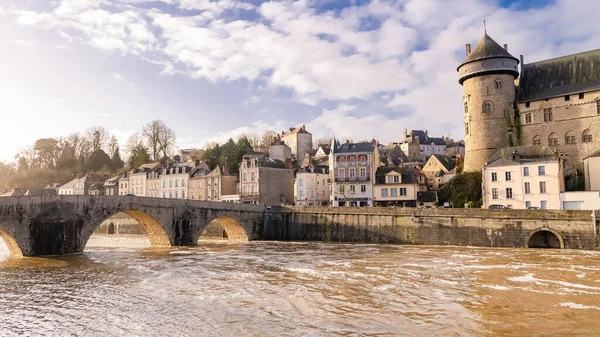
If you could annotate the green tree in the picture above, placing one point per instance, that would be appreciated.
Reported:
(139, 156)
(116, 162)
(463, 188)
(97, 160)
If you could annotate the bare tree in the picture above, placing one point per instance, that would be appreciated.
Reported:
(166, 141)
(151, 134)
(113, 145)
(98, 137)
(266, 141)
(133, 142)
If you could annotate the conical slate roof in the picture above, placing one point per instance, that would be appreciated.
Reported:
(487, 48)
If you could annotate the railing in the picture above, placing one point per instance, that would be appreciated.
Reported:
(338, 180)
(249, 194)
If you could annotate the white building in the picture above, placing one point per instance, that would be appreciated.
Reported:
(311, 187)
(419, 146)
(67, 189)
(591, 171)
(352, 168)
(522, 177)
(138, 179)
(174, 182)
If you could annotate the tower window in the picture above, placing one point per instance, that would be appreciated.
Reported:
(567, 98)
(553, 139)
(570, 138)
(548, 115)
(528, 118)
(487, 107)
(466, 106)
(598, 106)
(466, 129)
(537, 140)
(527, 104)
(581, 95)
(587, 137)
(498, 84)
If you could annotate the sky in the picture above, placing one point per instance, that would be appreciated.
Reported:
(212, 70)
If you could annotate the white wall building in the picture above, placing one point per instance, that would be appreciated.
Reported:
(522, 177)
(311, 187)
(591, 171)
(299, 140)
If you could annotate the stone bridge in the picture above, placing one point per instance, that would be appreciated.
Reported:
(56, 225)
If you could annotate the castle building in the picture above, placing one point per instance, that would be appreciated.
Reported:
(555, 103)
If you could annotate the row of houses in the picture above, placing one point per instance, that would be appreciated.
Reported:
(531, 177)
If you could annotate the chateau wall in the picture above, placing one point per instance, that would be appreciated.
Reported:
(575, 116)
(487, 131)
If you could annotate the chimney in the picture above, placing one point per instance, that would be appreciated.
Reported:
(468, 49)
(505, 47)
(225, 170)
(522, 63)
(288, 163)
(197, 162)
(303, 127)
(405, 133)
(292, 129)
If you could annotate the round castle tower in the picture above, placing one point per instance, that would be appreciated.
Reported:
(488, 78)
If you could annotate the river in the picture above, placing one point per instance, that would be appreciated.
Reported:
(120, 286)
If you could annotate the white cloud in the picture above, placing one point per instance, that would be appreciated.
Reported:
(117, 76)
(103, 115)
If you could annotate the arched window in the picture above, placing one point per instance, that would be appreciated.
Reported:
(587, 137)
(498, 84)
(553, 139)
(487, 107)
(570, 138)
(537, 140)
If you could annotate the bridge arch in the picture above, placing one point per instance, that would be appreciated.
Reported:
(545, 238)
(13, 247)
(233, 229)
(151, 226)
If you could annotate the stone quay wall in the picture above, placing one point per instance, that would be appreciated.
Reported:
(460, 227)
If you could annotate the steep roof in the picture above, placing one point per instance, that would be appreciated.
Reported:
(446, 161)
(424, 139)
(408, 174)
(487, 48)
(521, 154)
(560, 76)
(355, 147)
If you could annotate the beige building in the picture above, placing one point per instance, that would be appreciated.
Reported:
(67, 189)
(153, 184)
(124, 183)
(439, 169)
(591, 172)
(211, 186)
(556, 103)
(352, 168)
(397, 186)
(523, 177)
(279, 150)
(300, 142)
(311, 187)
(266, 181)
(138, 179)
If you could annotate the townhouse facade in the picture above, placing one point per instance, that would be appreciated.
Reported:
(397, 186)
(299, 141)
(311, 187)
(264, 180)
(211, 185)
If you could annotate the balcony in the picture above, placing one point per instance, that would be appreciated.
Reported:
(248, 194)
(354, 179)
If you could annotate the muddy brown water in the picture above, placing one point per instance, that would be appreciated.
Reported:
(120, 286)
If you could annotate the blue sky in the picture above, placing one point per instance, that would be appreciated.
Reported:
(213, 70)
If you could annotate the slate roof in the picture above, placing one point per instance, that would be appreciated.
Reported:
(292, 131)
(355, 147)
(560, 76)
(487, 48)
(408, 175)
(424, 139)
(533, 153)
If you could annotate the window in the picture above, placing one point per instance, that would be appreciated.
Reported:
(341, 173)
(352, 160)
(587, 136)
(466, 128)
(494, 176)
(466, 106)
(384, 192)
(527, 188)
(570, 139)
(352, 188)
(527, 204)
(363, 172)
(581, 95)
(494, 193)
(396, 179)
(526, 171)
(541, 170)
(342, 189)
(403, 191)
(598, 106)
(553, 139)
(537, 140)
(544, 204)
(300, 182)
(567, 98)
(548, 115)
(394, 192)
(487, 107)
(363, 188)
(498, 84)
(542, 187)
(507, 176)
(527, 104)
(528, 119)
(509, 194)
